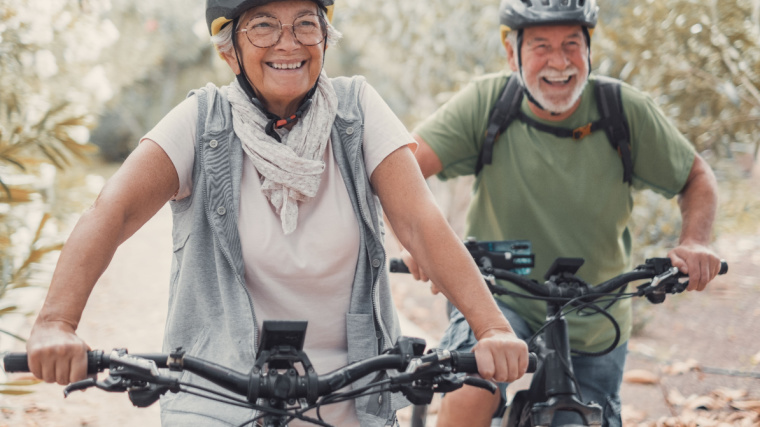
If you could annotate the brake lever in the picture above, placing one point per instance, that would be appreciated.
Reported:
(481, 383)
(111, 384)
(79, 385)
(662, 284)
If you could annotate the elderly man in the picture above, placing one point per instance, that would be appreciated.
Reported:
(546, 172)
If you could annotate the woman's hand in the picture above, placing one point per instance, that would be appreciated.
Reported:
(501, 356)
(56, 353)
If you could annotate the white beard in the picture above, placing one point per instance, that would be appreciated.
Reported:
(556, 106)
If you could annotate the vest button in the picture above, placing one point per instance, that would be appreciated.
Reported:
(221, 210)
(349, 130)
(213, 143)
(376, 263)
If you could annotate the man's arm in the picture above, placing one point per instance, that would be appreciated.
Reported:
(698, 202)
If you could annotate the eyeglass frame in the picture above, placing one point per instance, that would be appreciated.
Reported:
(322, 24)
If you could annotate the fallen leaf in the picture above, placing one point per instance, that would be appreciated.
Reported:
(755, 359)
(675, 397)
(632, 415)
(641, 376)
(743, 418)
(702, 402)
(729, 394)
(747, 405)
(679, 368)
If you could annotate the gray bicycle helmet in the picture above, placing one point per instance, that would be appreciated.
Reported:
(220, 12)
(519, 14)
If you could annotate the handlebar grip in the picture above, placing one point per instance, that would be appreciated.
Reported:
(723, 267)
(465, 362)
(532, 363)
(397, 265)
(18, 362)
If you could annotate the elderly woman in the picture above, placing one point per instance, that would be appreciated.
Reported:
(274, 184)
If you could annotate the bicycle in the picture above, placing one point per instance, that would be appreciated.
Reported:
(275, 386)
(553, 386)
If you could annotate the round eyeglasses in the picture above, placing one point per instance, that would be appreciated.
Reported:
(266, 31)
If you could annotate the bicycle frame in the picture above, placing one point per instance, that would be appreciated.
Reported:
(551, 393)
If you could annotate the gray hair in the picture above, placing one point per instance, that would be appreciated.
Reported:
(223, 39)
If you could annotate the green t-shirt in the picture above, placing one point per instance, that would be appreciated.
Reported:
(567, 197)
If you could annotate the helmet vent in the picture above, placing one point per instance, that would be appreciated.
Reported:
(567, 2)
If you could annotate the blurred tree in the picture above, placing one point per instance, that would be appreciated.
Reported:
(50, 83)
(700, 59)
(418, 53)
(165, 52)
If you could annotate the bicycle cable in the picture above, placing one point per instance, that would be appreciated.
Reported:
(231, 400)
(568, 370)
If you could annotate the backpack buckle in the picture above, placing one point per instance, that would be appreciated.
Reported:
(581, 132)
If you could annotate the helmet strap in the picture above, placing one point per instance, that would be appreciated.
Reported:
(530, 96)
(588, 46)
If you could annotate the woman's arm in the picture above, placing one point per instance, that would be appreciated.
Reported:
(423, 230)
(141, 186)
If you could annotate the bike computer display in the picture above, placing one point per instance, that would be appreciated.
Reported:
(511, 255)
(282, 333)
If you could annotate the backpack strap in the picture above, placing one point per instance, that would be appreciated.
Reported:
(505, 110)
(614, 122)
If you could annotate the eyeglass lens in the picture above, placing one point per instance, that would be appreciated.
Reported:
(265, 31)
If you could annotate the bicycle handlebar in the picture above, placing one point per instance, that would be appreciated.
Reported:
(655, 267)
(270, 385)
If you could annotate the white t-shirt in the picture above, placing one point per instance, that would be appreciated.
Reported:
(308, 274)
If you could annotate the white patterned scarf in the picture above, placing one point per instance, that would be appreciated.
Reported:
(291, 170)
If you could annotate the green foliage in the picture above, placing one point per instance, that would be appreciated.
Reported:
(418, 53)
(167, 53)
(50, 86)
(699, 59)
(46, 83)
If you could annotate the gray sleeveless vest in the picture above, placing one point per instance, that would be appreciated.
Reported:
(211, 313)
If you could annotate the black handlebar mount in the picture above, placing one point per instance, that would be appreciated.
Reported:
(281, 349)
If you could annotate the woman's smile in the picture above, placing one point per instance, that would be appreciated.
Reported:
(286, 65)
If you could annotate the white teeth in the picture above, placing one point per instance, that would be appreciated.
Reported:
(287, 66)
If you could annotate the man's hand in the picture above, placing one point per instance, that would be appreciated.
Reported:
(501, 356)
(56, 353)
(417, 271)
(698, 261)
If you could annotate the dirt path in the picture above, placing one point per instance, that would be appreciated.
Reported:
(126, 309)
